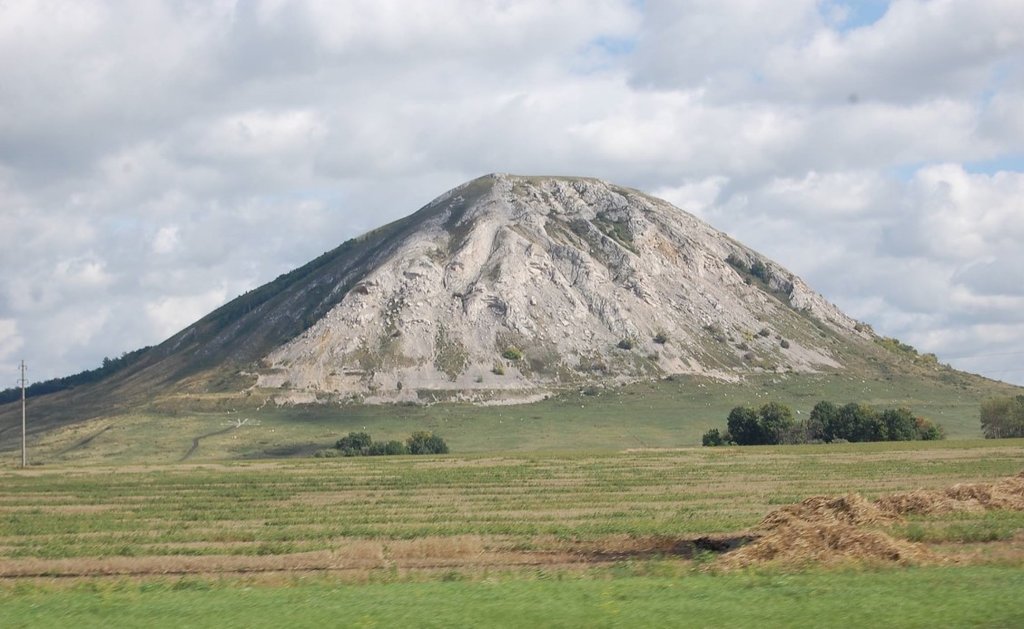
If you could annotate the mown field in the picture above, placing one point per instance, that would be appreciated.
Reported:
(597, 538)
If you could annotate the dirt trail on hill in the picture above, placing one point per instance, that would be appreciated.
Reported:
(81, 443)
(196, 440)
(829, 530)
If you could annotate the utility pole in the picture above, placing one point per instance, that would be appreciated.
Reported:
(24, 452)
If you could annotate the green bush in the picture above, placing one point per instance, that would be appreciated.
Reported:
(381, 448)
(512, 353)
(423, 442)
(714, 438)
(626, 344)
(354, 444)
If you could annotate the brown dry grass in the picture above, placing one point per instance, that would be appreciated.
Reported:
(1007, 493)
(843, 529)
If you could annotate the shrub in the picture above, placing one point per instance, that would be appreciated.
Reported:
(423, 442)
(927, 431)
(626, 344)
(764, 333)
(380, 448)
(661, 338)
(713, 438)
(784, 344)
(759, 270)
(354, 444)
(512, 353)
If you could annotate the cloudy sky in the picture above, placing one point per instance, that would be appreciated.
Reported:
(159, 158)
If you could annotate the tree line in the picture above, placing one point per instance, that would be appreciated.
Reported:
(109, 366)
(362, 444)
(774, 423)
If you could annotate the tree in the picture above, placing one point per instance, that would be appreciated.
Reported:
(775, 419)
(900, 424)
(821, 420)
(423, 442)
(744, 426)
(1003, 417)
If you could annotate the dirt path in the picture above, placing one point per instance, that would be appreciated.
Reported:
(196, 440)
(83, 442)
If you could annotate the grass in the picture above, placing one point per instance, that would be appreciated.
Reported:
(581, 538)
(514, 501)
(665, 413)
(930, 597)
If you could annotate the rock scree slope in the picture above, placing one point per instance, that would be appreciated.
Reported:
(509, 286)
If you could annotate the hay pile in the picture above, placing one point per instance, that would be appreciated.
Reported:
(825, 530)
(1006, 494)
(842, 529)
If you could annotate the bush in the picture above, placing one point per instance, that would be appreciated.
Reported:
(660, 338)
(626, 344)
(423, 442)
(354, 444)
(512, 353)
(714, 438)
(360, 444)
(381, 448)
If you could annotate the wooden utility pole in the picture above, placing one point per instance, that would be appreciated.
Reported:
(24, 452)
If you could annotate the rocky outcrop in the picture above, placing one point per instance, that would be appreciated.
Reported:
(510, 286)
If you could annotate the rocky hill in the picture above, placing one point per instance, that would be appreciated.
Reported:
(512, 286)
(506, 288)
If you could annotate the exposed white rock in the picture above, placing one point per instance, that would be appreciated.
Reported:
(582, 279)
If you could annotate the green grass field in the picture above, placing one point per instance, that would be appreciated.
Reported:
(592, 538)
(927, 597)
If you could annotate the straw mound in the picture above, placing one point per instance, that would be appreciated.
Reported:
(825, 529)
(849, 509)
(802, 542)
(836, 529)
(1006, 494)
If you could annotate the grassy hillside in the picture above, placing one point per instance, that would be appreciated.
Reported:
(659, 414)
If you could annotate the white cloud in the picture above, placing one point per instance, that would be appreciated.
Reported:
(171, 314)
(159, 158)
(166, 239)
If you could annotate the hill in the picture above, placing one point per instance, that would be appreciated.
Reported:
(506, 289)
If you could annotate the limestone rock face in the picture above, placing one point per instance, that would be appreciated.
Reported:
(509, 287)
